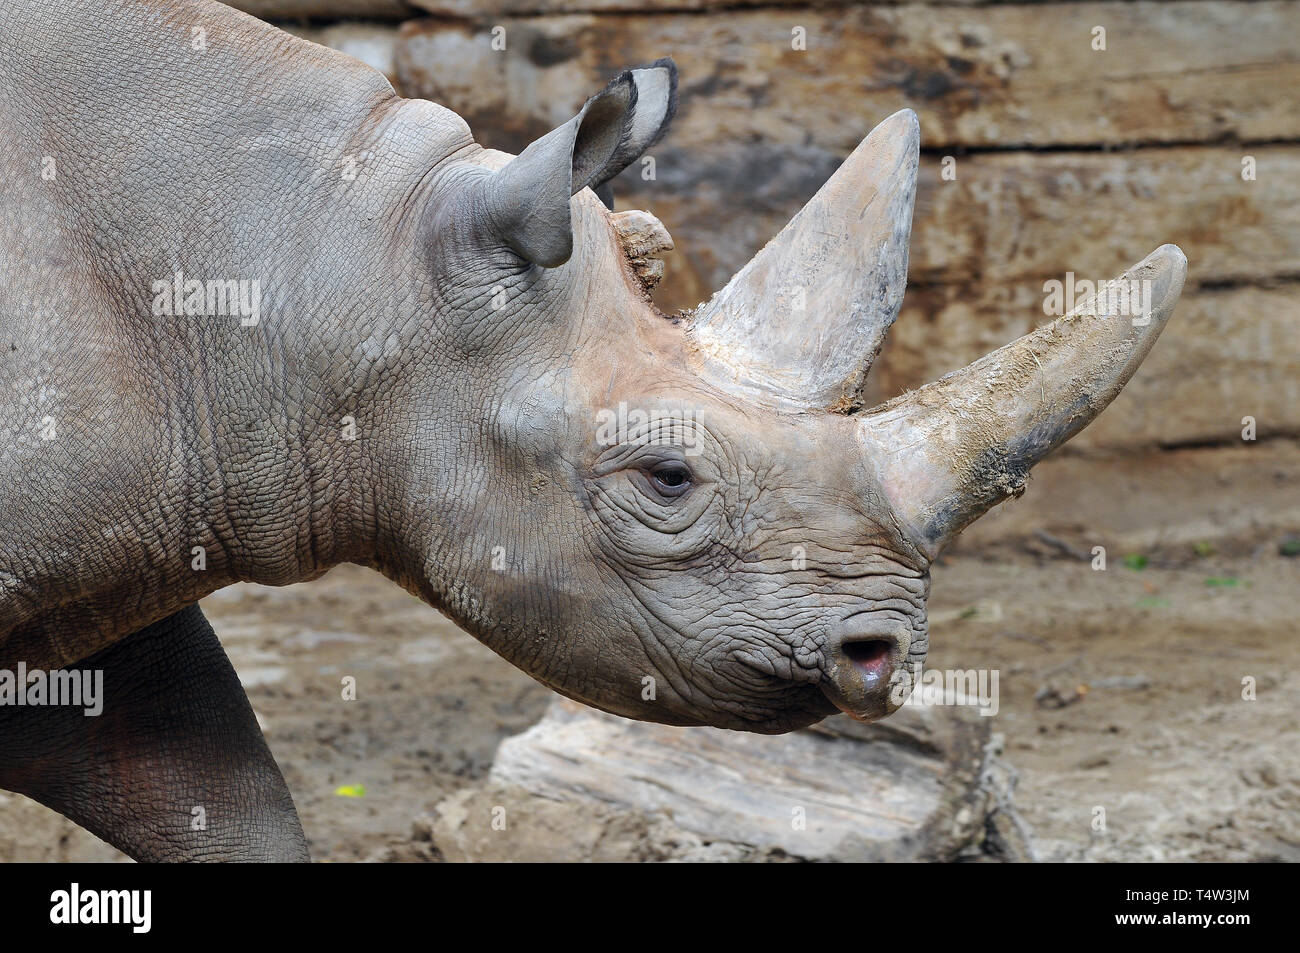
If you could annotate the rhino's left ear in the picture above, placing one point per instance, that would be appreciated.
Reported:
(653, 109)
(528, 200)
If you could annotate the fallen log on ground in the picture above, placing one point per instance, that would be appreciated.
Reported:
(926, 784)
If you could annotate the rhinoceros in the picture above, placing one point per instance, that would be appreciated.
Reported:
(260, 315)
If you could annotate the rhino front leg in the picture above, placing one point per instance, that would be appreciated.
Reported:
(175, 767)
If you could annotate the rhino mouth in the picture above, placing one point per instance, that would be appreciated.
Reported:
(864, 672)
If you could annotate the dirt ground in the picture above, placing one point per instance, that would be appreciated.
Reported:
(1120, 691)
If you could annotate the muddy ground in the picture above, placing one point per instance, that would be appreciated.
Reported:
(1120, 690)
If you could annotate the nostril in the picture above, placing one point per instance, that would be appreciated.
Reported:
(863, 664)
(872, 656)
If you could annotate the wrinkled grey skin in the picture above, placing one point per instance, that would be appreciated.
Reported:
(449, 311)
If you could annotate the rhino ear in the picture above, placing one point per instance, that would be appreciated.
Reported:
(652, 110)
(528, 199)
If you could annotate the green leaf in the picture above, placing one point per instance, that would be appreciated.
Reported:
(350, 790)
(1135, 561)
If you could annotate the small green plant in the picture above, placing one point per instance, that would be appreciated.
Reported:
(1135, 561)
(1203, 549)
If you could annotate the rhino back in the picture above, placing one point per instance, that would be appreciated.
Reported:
(146, 141)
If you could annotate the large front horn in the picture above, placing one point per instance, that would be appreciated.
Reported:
(801, 323)
(947, 452)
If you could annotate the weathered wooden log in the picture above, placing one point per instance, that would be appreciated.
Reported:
(997, 217)
(1001, 76)
(1006, 216)
(926, 784)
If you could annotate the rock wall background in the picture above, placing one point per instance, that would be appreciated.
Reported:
(1066, 158)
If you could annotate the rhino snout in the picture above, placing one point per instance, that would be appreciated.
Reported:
(866, 669)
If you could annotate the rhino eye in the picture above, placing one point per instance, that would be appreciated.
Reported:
(671, 479)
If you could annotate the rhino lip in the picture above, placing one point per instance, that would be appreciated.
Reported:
(862, 670)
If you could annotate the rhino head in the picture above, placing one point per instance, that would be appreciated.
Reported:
(691, 519)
